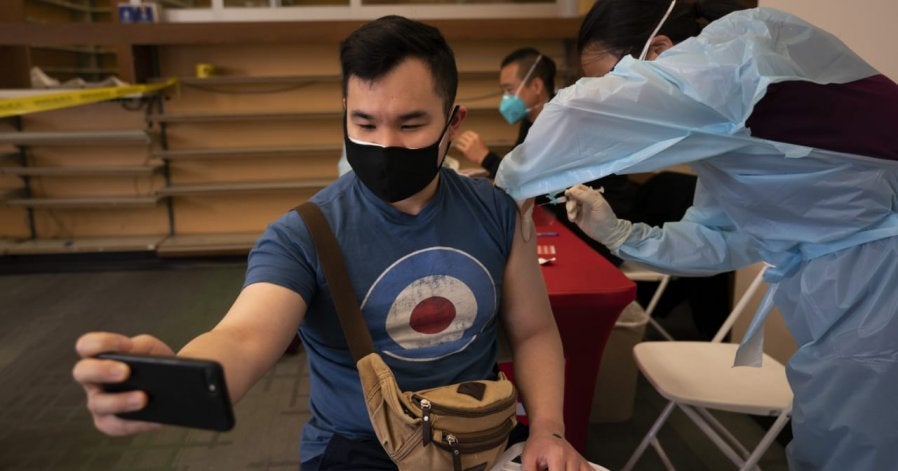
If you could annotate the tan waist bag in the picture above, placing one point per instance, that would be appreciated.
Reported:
(464, 427)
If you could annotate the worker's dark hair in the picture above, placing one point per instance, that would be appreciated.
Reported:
(623, 26)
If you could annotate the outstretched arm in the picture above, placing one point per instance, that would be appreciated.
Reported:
(247, 342)
(704, 242)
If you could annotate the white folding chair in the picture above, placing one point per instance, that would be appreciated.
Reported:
(700, 376)
(638, 272)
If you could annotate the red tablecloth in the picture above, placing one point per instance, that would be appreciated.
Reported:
(587, 294)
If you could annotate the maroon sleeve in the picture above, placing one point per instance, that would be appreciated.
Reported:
(859, 117)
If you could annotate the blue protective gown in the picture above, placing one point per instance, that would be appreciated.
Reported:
(827, 221)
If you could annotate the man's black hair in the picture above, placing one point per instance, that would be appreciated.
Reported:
(377, 47)
(545, 69)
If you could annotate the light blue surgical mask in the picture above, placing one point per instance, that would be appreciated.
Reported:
(512, 107)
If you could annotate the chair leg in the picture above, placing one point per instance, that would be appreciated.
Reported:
(733, 441)
(656, 297)
(661, 330)
(662, 454)
(649, 436)
(752, 461)
(713, 435)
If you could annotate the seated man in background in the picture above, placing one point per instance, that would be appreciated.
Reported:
(399, 228)
(527, 80)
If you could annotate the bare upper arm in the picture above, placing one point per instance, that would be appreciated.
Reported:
(525, 304)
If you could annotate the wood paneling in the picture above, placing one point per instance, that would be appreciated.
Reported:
(242, 147)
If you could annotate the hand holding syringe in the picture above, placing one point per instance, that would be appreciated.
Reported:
(588, 209)
(554, 199)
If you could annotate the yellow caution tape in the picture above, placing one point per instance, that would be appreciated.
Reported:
(52, 101)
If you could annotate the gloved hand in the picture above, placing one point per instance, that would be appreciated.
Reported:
(588, 209)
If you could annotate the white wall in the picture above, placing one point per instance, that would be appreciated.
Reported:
(863, 25)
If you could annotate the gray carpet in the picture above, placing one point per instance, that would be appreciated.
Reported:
(44, 426)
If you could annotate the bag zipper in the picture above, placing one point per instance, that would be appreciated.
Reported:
(477, 441)
(425, 418)
(456, 453)
(427, 408)
(495, 437)
(446, 410)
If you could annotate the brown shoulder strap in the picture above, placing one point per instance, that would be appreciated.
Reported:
(354, 327)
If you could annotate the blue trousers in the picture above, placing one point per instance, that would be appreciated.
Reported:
(344, 454)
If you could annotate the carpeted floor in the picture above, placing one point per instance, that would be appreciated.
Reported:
(45, 305)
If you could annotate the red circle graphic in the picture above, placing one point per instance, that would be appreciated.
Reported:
(432, 315)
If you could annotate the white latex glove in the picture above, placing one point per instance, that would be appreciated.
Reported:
(588, 209)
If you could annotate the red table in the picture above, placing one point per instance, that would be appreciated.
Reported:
(587, 294)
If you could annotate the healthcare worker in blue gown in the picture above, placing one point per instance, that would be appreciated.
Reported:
(794, 140)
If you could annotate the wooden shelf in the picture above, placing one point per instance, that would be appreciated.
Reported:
(291, 116)
(195, 120)
(176, 3)
(72, 6)
(27, 138)
(512, 29)
(223, 117)
(82, 245)
(84, 170)
(482, 109)
(77, 49)
(80, 70)
(12, 193)
(246, 152)
(10, 158)
(254, 80)
(230, 187)
(507, 143)
(94, 202)
(300, 79)
(207, 244)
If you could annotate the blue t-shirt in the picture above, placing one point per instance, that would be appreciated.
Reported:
(429, 286)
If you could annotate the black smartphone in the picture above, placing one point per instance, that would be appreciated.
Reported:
(182, 391)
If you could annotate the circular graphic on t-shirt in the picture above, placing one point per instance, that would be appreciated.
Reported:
(430, 303)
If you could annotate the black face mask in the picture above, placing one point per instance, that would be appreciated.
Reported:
(394, 173)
